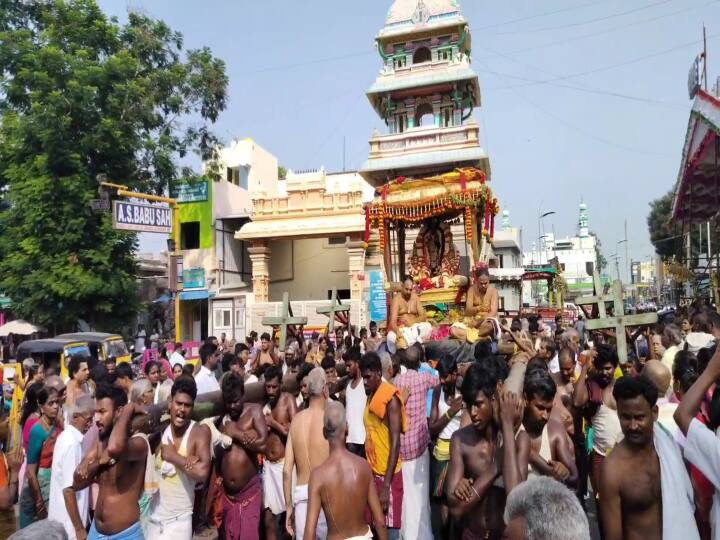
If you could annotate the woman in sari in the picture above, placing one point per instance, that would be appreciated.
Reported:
(41, 442)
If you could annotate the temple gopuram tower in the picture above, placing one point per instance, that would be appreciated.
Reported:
(429, 168)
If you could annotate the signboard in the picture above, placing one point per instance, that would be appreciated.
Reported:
(133, 216)
(194, 278)
(378, 297)
(184, 192)
(694, 78)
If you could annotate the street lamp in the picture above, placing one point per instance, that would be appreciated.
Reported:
(623, 241)
(541, 225)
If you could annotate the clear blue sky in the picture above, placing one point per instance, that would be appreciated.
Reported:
(607, 126)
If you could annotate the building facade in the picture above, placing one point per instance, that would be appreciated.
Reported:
(577, 256)
(217, 270)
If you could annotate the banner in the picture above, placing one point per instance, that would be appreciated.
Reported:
(378, 296)
(144, 217)
(184, 192)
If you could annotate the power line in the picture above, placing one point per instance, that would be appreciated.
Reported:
(608, 30)
(641, 99)
(529, 17)
(613, 66)
(583, 23)
(589, 134)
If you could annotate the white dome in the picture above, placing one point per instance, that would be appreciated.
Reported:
(403, 10)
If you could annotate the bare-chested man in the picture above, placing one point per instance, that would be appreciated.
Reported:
(481, 309)
(237, 464)
(551, 450)
(482, 470)
(407, 323)
(279, 412)
(343, 487)
(183, 461)
(267, 353)
(306, 449)
(640, 500)
(594, 398)
(117, 464)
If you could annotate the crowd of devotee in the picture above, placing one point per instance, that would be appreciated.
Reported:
(353, 436)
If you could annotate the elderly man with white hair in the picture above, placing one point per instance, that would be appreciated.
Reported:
(541, 508)
(570, 338)
(66, 506)
(671, 339)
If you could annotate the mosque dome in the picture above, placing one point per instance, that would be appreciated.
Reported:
(406, 10)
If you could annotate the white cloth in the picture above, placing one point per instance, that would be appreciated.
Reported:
(176, 495)
(356, 400)
(66, 457)
(677, 491)
(702, 449)
(666, 410)
(415, 522)
(453, 425)
(300, 500)
(273, 496)
(367, 535)
(180, 528)
(176, 358)
(206, 381)
(697, 340)
(606, 430)
(417, 333)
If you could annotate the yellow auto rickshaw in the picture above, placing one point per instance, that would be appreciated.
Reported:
(102, 345)
(55, 352)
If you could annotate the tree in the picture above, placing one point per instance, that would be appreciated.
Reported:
(83, 95)
(665, 235)
(600, 259)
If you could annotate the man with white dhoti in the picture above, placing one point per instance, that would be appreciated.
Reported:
(646, 491)
(414, 451)
(407, 323)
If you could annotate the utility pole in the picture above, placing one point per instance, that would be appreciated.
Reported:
(704, 58)
(627, 253)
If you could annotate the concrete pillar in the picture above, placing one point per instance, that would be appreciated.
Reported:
(436, 103)
(356, 270)
(410, 108)
(260, 258)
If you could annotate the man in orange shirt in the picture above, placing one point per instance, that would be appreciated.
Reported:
(384, 420)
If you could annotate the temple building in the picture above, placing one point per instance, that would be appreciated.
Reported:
(433, 215)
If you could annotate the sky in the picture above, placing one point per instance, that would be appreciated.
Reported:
(581, 100)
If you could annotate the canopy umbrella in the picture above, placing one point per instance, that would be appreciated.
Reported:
(21, 327)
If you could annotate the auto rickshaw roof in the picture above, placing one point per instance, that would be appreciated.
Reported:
(90, 336)
(47, 345)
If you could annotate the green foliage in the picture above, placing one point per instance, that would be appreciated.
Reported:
(82, 95)
(282, 172)
(599, 257)
(664, 234)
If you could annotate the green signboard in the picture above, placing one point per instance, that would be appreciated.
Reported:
(194, 278)
(185, 192)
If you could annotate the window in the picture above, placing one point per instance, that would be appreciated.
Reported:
(233, 175)
(190, 235)
(500, 261)
(400, 61)
(501, 306)
(445, 54)
(222, 317)
(238, 176)
(400, 123)
(424, 115)
(336, 241)
(343, 294)
(422, 55)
